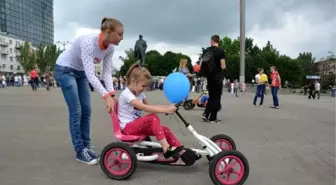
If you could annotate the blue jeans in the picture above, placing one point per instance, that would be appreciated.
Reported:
(75, 88)
(275, 96)
(260, 92)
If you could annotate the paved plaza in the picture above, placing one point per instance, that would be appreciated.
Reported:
(294, 145)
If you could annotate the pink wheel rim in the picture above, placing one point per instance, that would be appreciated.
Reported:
(115, 164)
(224, 144)
(229, 170)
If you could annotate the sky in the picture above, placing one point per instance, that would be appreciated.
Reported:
(292, 26)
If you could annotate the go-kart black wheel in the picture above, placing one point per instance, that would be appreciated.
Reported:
(118, 161)
(224, 142)
(229, 168)
(188, 104)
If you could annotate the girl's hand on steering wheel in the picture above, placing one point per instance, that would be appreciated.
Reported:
(170, 109)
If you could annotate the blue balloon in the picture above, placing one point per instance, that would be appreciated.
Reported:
(176, 87)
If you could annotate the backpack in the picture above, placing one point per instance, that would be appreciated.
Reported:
(207, 63)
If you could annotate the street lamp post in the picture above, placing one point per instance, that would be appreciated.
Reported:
(242, 41)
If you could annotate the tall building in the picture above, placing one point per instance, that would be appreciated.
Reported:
(20, 21)
(29, 20)
(10, 54)
(326, 66)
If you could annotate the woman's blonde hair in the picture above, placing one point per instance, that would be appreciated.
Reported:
(183, 62)
(274, 68)
(110, 24)
(137, 73)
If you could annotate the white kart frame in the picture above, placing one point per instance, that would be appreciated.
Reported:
(210, 148)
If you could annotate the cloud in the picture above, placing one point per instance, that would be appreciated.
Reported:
(296, 35)
(292, 26)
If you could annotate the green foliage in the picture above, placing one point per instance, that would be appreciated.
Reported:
(158, 64)
(44, 58)
(27, 57)
(292, 70)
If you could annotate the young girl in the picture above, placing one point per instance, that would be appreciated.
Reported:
(132, 101)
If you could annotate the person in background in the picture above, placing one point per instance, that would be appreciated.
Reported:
(317, 89)
(203, 100)
(311, 88)
(261, 80)
(215, 81)
(236, 87)
(1, 86)
(183, 68)
(333, 91)
(243, 89)
(232, 87)
(34, 79)
(275, 86)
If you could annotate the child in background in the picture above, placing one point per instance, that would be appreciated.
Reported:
(132, 102)
(203, 100)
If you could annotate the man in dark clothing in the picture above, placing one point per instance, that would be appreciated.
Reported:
(140, 50)
(215, 81)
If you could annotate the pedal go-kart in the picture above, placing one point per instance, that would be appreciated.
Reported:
(227, 166)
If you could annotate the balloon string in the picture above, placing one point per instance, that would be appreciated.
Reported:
(178, 123)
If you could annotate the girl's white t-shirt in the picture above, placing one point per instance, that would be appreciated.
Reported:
(83, 54)
(127, 112)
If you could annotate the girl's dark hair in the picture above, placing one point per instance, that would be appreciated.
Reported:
(137, 73)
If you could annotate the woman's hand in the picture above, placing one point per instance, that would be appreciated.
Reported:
(109, 103)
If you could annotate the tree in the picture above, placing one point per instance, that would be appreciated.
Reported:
(46, 57)
(292, 70)
(157, 64)
(127, 61)
(307, 62)
(27, 57)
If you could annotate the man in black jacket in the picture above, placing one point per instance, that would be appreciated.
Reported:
(215, 82)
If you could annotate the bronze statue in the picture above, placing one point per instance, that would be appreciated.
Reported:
(140, 50)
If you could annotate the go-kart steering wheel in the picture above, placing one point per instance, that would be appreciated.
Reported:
(177, 105)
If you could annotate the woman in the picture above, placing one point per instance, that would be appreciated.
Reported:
(261, 80)
(183, 68)
(275, 86)
(75, 69)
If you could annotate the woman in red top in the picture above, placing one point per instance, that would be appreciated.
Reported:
(275, 86)
(34, 79)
